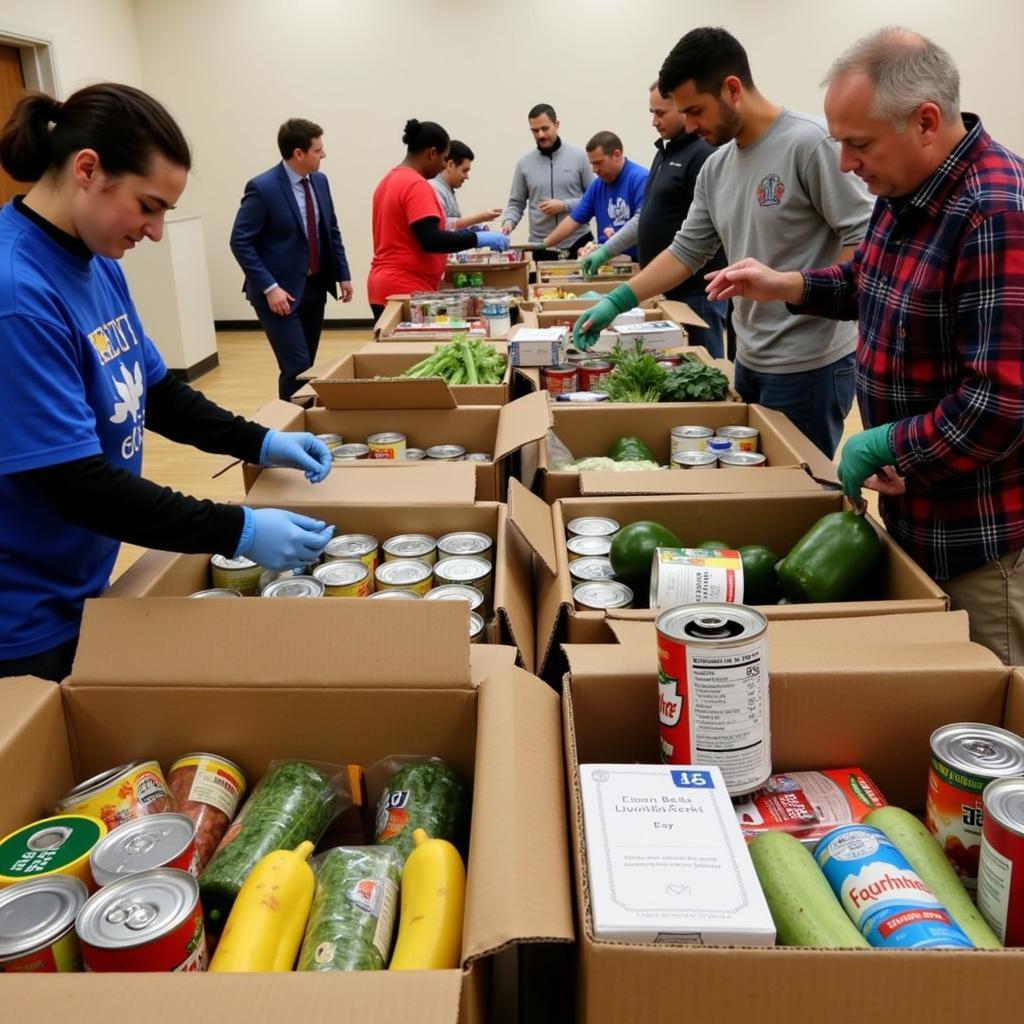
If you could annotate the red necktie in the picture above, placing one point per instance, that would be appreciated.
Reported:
(311, 231)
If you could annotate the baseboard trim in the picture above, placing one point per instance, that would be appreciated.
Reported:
(362, 324)
(190, 373)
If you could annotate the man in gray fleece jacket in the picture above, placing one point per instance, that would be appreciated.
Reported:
(550, 180)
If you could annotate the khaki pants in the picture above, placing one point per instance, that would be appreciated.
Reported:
(993, 597)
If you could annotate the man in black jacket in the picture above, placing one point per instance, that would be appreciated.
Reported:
(680, 156)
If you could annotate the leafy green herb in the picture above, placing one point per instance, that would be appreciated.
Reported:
(694, 382)
(637, 376)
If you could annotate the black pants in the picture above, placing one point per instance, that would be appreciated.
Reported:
(377, 311)
(53, 664)
(294, 338)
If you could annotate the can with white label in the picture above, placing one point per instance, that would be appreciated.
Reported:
(695, 576)
(1001, 868)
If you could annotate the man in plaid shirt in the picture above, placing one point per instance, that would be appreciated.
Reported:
(938, 289)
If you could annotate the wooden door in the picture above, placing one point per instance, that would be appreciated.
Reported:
(12, 88)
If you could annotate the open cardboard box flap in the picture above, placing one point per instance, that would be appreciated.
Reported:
(522, 421)
(733, 481)
(392, 393)
(532, 518)
(817, 463)
(681, 313)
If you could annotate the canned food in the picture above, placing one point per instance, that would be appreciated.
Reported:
(582, 397)
(120, 794)
(476, 628)
(713, 691)
(588, 547)
(464, 542)
(744, 439)
(331, 440)
(558, 379)
(591, 372)
(599, 595)
(695, 576)
(457, 592)
(590, 568)
(446, 453)
(690, 438)
(1001, 868)
(693, 460)
(352, 547)
(479, 457)
(886, 899)
(396, 594)
(388, 445)
(294, 586)
(208, 788)
(241, 574)
(150, 921)
(406, 574)
(668, 360)
(216, 592)
(741, 460)
(719, 445)
(344, 579)
(415, 454)
(592, 526)
(37, 926)
(351, 452)
(419, 546)
(966, 757)
(470, 570)
(159, 841)
(54, 846)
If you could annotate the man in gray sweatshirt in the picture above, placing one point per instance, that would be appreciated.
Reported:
(550, 180)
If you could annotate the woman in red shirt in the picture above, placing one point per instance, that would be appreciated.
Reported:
(410, 245)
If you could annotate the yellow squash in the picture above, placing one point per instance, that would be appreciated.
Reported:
(266, 924)
(433, 899)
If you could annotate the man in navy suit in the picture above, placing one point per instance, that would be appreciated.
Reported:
(287, 241)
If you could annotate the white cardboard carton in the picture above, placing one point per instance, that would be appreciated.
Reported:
(537, 346)
(666, 860)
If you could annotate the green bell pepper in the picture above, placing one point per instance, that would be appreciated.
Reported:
(831, 559)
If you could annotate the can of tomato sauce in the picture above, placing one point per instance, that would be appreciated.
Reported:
(388, 445)
(1001, 868)
(966, 757)
(151, 921)
(54, 846)
(37, 926)
(591, 371)
(208, 788)
(120, 794)
(560, 379)
(713, 691)
(159, 841)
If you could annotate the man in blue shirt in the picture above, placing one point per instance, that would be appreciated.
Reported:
(613, 197)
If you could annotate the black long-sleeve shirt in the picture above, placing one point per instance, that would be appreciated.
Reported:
(433, 238)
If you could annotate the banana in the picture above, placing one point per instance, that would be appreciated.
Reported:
(433, 899)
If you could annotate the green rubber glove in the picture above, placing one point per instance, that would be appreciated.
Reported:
(600, 315)
(863, 455)
(593, 261)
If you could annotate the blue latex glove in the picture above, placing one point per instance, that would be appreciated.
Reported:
(862, 456)
(593, 261)
(492, 240)
(600, 315)
(281, 540)
(296, 450)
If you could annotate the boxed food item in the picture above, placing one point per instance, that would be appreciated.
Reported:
(537, 346)
(653, 335)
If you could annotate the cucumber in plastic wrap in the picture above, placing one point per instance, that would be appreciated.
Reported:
(352, 920)
(294, 801)
(425, 794)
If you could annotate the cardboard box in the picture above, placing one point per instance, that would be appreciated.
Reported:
(495, 275)
(773, 519)
(222, 679)
(871, 706)
(398, 310)
(591, 430)
(426, 413)
(537, 346)
(166, 575)
(565, 313)
(618, 269)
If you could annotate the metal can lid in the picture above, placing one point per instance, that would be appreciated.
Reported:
(409, 545)
(61, 840)
(455, 592)
(592, 526)
(694, 458)
(479, 457)
(415, 454)
(979, 749)
(1004, 803)
(738, 431)
(741, 459)
(476, 625)
(463, 569)
(464, 542)
(97, 782)
(352, 450)
(294, 586)
(138, 908)
(594, 364)
(599, 594)
(446, 451)
(35, 913)
(561, 370)
(350, 545)
(223, 562)
(396, 594)
(386, 437)
(582, 397)
(331, 440)
(692, 431)
(341, 573)
(584, 546)
(711, 624)
(593, 567)
(216, 592)
(139, 845)
(404, 571)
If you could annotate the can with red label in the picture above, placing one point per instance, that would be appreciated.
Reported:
(591, 371)
(37, 925)
(159, 841)
(151, 921)
(966, 757)
(713, 691)
(560, 379)
(1001, 868)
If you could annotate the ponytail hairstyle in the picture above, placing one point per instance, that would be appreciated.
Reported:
(419, 136)
(123, 124)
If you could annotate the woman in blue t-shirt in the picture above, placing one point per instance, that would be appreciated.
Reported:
(80, 379)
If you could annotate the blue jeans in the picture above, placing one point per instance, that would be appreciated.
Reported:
(816, 401)
(713, 313)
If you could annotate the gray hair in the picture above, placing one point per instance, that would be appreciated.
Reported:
(907, 70)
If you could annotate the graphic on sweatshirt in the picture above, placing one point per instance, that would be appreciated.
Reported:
(770, 191)
(618, 211)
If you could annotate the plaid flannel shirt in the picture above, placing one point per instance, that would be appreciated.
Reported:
(938, 289)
